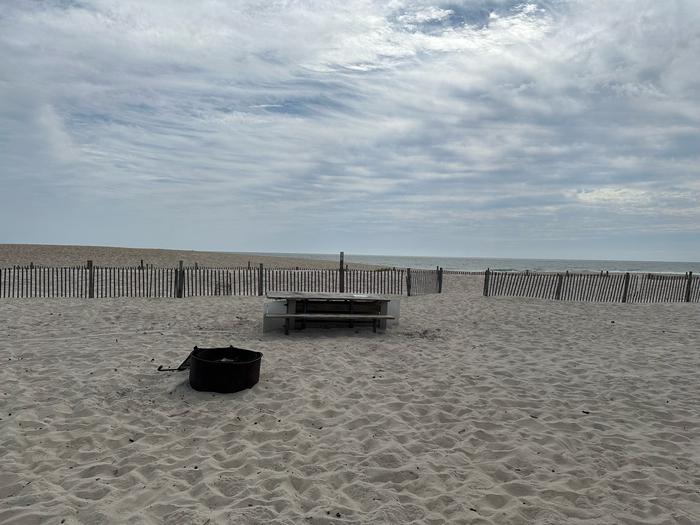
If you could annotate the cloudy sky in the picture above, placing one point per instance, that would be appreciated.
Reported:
(555, 128)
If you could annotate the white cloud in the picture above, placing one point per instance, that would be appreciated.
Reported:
(617, 196)
(493, 110)
(57, 138)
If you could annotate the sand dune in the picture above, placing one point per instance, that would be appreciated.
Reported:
(473, 410)
(55, 255)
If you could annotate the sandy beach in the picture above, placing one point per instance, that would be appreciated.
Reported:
(473, 410)
(55, 255)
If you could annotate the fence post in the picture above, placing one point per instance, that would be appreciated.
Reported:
(176, 282)
(560, 282)
(440, 280)
(408, 281)
(260, 279)
(180, 281)
(341, 274)
(687, 287)
(91, 280)
(487, 274)
(625, 287)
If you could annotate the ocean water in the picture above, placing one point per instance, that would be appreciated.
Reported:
(479, 264)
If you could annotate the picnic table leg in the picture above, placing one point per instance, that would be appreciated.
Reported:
(291, 309)
(374, 325)
(286, 326)
(383, 310)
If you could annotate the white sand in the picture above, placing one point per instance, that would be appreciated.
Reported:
(55, 255)
(473, 410)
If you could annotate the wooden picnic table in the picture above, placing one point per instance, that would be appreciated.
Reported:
(325, 306)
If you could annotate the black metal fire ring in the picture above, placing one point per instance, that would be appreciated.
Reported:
(223, 370)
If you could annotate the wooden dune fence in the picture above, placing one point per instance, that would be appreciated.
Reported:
(148, 281)
(257, 281)
(421, 282)
(598, 287)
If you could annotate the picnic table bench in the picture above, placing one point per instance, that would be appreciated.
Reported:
(301, 307)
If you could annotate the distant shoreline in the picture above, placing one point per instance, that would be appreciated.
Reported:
(69, 255)
(502, 264)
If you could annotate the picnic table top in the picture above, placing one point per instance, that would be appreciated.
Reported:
(328, 296)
